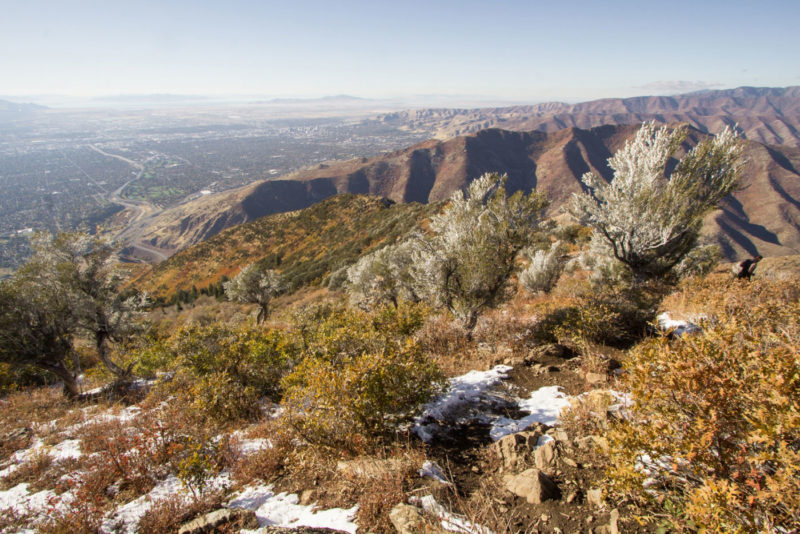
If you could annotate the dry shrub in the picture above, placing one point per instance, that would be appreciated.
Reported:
(41, 472)
(167, 515)
(380, 495)
(613, 316)
(587, 414)
(265, 464)
(393, 473)
(118, 452)
(30, 470)
(445, 341)
(481, 507)
(728, 401)
(80, 517)
(31, 407)
(719, 296)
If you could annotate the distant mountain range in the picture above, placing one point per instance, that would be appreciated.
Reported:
(764, 216)
(14, 110)
(767, 115)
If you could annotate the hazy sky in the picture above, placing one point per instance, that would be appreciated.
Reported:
(521, 50)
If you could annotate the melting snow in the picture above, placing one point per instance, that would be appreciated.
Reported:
(467, 399)
(432, 470)
(544, 405)
(283, 510)
(471, 398)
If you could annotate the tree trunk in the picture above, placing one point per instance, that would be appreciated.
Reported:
(67, 378)
(469, 323)
(101, 339)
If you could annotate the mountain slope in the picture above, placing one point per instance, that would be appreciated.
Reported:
(306, 245)
(764, 216)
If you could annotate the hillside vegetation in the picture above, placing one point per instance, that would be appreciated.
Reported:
(306, 245)
(486, 372)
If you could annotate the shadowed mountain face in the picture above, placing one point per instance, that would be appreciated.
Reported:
(767, 115)
(764, 216)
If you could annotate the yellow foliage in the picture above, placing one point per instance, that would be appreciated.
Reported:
(718, 415)
(352, 401)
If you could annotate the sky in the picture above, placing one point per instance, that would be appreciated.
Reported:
(527, 51)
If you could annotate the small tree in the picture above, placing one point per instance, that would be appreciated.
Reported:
(543, 270)
(647, 221)
(382, 276)
(255, 286)
(83, 267)
(36, 328)
(465, 265)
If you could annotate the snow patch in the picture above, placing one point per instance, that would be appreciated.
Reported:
(21, 502)
(126, 517)
(544, 405)
(466, 399)
(677, 327)
(432, 470)
(448, 520)
(284, 510)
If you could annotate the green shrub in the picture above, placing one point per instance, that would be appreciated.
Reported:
(719, 414)
(351, 402)
(225, 369)
(250, 357)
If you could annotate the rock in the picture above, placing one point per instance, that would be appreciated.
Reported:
(569, 461)
(306, 497)
(224, 516)
(407, 519)
(560, 435)
(514, 361)
(553, 350)
(595, 497)
(593, 443)
(613, 523)
(368, 467)
(532, 485)
(594, 379)
(515, 449)
(545, 456)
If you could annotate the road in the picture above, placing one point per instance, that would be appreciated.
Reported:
(142, 212)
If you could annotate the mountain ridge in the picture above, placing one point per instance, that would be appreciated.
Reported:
(765, 114)
(762, 217)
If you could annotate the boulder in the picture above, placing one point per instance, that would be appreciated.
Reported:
(594, 379)
(224, 516)
(515, 449)
(407, 519)
(532, 485)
